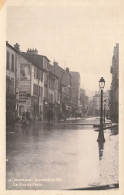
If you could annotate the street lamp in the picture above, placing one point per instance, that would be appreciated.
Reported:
(101, 133)
(104, 110)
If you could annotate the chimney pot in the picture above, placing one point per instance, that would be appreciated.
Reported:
(17, 47)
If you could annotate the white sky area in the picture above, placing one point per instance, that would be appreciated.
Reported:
(81, 38)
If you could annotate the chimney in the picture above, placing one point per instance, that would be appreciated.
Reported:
(67, 70)
(32, 51)
(17, 47)
(55, 63)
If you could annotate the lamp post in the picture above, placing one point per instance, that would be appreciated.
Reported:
(101, 133)
(104, 112)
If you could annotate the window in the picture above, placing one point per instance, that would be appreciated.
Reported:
(45, 63)
(45, 78)
(7, 65)
(50, 98)
(35, 72)
(12, 67)
(41, 76)
(37, 89)
(41, 92)
(45, 93)
(34, 90)
(12, 86)
(9, 86)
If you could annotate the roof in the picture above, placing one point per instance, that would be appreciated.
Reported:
(35, 59)
(75, 73)
(10, 46)
(35, 56)
(18, 52)
(52, 70)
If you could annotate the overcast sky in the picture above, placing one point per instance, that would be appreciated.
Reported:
(81, 38)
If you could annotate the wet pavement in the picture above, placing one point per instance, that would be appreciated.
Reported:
(60, 156)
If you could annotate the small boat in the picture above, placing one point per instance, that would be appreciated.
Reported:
(97, 125)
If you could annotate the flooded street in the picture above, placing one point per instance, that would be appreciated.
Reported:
(60, 156)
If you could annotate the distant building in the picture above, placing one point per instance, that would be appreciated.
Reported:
(53, 91)
(114, 91)
(75, 98)
(97, 103)
(64, 88)
(84, 101)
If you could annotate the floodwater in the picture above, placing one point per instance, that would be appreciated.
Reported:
(60, 156)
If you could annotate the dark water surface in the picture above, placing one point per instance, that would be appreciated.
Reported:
(60, 156)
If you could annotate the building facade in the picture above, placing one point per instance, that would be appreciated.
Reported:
(39, 83)
(64, 88)
(11, 60)
(84, 101)
(114, 91)
(33, 85)
(97, 103)
(75, 98)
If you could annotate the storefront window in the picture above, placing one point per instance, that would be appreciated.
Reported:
(9, 86)
(34, 89)
(41, 76)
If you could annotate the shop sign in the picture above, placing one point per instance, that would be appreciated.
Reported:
(22, 96)
(24, 86)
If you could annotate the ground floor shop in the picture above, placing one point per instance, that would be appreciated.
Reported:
(33, 105)
(10, 109)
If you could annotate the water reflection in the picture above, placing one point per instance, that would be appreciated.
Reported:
(101, 149)
(114, 131)
(61, 151)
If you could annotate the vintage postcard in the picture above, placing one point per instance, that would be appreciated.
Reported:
(61, 97)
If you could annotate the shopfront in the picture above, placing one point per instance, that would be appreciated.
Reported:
(35, 107)
(10, 109)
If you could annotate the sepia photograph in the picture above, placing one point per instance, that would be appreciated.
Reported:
(62, 96)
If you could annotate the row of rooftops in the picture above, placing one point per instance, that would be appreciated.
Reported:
(16, 48)
(32, 56)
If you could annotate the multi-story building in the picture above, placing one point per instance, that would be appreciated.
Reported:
(84, 100)
(54, 94)
(23, 84)
(34, 85)
(11, 60)
(114, 91)
(65, 90)
(39, 82)
(75, 98)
